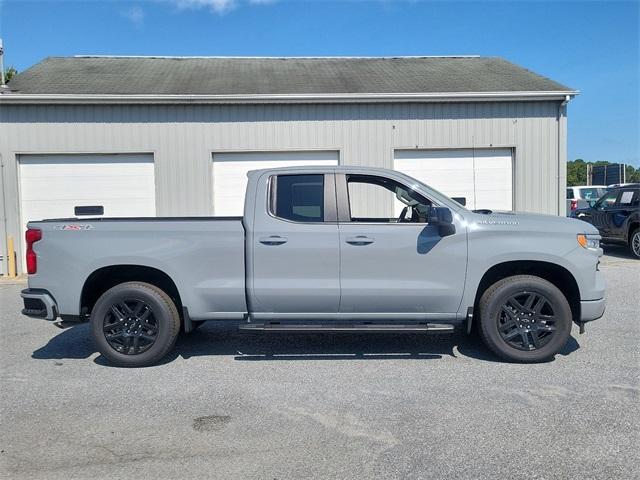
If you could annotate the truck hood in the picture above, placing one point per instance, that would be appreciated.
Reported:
(530, 222)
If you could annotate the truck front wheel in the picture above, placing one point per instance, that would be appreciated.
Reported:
(524, 319)
(134, 324)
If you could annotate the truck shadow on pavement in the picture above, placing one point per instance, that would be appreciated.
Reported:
(210, 340)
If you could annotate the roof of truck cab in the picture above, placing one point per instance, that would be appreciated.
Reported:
(322, 168)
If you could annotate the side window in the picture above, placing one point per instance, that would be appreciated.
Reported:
(382, 200)
(628, 198)
(608, 200)
(570, 195)
(299, 198)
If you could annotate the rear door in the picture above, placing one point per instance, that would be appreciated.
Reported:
(601, 213)
(392, 263)
(294, 247)
(625, 205)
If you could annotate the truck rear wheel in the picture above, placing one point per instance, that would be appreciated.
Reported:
(524, 319)
(134, 324)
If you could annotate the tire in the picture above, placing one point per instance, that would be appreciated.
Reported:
(134, 310)
(524, 332)
(634, 243)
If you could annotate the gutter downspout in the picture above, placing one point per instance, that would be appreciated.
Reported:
(3, 231)
(562, 147)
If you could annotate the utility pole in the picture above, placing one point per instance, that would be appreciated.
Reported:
(2, 82)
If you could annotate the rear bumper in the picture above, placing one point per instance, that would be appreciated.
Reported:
(39, 304)
(592, 309)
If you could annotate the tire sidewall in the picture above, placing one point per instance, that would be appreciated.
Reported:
(562, 312)
(161, 313)
(634, 234)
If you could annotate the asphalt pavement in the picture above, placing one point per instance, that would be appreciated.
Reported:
(229, 404)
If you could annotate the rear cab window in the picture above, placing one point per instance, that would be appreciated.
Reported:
(591, 193)
(297, 198)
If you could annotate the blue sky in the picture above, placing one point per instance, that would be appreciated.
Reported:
(588, 45)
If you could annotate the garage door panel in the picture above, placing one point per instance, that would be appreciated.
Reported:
(85, 188)
(53, 185)
(230, 173)
(482, 176)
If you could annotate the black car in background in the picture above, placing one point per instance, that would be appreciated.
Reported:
(617, 216)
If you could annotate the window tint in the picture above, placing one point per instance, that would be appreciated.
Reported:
(382, 200)
(570, 194)
(629, 198)
(299, 198)
(608, 200)
(591, 193)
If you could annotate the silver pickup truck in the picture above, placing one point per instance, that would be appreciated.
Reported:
(320, 249)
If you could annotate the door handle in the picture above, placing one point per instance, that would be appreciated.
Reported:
(359, 240)
(273, 240)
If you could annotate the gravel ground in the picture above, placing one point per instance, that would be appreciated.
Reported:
(323, 406)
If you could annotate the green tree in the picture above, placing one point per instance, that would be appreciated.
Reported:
(9, 73)
(577, 172)
(632, 174)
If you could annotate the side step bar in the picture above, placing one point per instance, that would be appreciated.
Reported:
(349, 327)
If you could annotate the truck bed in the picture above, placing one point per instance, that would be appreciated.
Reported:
(205, 253)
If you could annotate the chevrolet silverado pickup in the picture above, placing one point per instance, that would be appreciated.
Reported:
(320, 249)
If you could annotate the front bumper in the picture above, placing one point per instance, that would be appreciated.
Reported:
(39, 304)
(591, 309)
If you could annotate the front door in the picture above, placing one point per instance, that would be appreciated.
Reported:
(601, 213)
(294, 247)
(392, 263)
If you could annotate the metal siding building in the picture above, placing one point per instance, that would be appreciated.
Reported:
(183, 137)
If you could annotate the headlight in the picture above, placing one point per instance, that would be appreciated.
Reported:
(590, 242)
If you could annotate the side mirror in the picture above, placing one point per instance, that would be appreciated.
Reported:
(443, 219)
(461, 200)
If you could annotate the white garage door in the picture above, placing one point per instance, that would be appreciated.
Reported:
(51, 186)
(230, 173)
(483, 176)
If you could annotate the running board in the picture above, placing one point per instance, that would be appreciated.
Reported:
(365, 327)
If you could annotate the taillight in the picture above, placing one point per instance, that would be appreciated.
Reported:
(32, 236)
(574, 204)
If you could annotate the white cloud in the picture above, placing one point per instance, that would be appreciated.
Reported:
(216, 6)
(135, 15)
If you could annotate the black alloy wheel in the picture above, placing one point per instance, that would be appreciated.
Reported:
(527, 321)
(524, 318)
(135, 324)
(130, 327)
(634, 243)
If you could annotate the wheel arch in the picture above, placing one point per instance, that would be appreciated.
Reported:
(104, 278)
(632, 227)
(555, 274)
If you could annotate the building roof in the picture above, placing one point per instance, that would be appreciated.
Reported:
(273, 77)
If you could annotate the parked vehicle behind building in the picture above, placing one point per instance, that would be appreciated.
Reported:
(616, 215)
(583, 196)
(305, 256)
